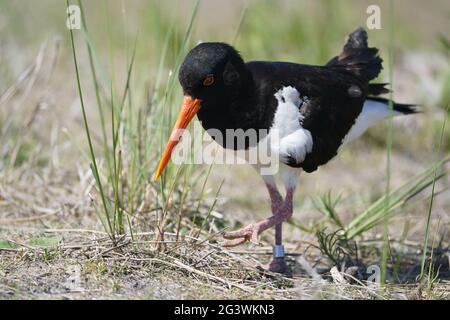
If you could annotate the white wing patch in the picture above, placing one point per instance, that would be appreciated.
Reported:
(293, 140)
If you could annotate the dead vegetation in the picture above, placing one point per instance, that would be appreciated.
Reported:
(54, 252)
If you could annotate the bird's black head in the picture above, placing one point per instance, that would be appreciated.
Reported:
(213, 71)
(212, 76)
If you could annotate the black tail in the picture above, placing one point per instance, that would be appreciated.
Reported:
(399, 107)
(357, 58)
(376, 89)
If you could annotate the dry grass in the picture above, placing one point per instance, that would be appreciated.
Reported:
(61, 252)
(86, 264)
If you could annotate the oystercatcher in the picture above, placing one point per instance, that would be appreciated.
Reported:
(314, 109)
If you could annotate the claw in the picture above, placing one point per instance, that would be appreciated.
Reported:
(235, 238)
(234, 242)
(252, 231)
(241, 233)
(254, 239)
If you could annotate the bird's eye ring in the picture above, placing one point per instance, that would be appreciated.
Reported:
(209, 80)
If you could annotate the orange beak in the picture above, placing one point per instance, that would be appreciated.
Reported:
(188, 110)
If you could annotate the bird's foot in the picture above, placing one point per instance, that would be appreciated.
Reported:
(249, 233)
(277, 265)
(252, 231)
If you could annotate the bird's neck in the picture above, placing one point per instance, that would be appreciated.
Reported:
(234, 110)
(224, 113)
(228, 109)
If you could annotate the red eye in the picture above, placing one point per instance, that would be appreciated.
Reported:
(209, 80)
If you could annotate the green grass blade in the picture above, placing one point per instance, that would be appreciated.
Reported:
(86, 125)
(430, 207)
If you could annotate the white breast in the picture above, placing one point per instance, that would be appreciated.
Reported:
(288, 137)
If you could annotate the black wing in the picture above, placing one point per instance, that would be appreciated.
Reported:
(333, 101)
(336, 93)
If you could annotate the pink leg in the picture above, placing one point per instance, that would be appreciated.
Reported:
(278, 264)
(276, 201)
(275, 197)
(283, 211)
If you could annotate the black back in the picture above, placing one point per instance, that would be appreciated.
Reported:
(329, 111)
